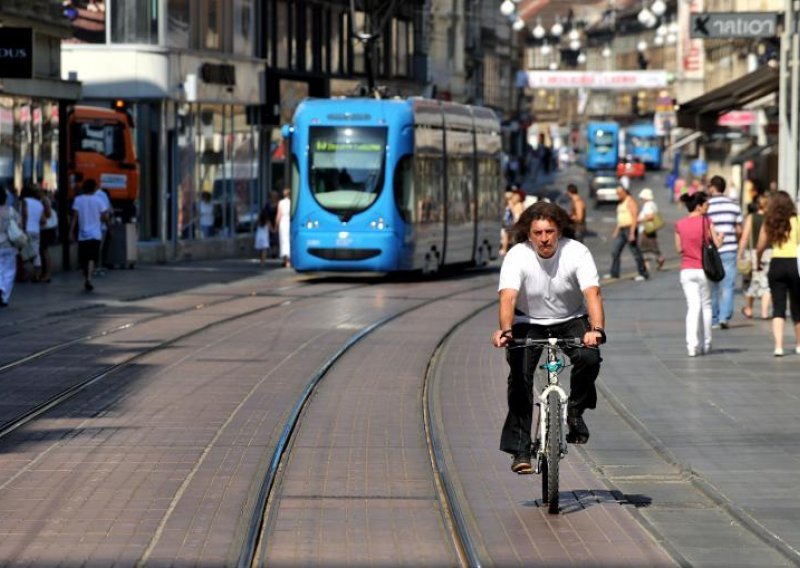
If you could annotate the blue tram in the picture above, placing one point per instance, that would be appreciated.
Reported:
(393, 185)
(602, 145)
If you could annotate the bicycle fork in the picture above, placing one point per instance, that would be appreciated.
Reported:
(541, 426)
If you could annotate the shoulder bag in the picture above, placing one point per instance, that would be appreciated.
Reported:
(712, 263)
(745, 265)
(654, 224)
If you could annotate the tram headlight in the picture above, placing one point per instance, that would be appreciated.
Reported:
(379, 224)
(312, 224)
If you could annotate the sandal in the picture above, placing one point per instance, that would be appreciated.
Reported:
(747, 312)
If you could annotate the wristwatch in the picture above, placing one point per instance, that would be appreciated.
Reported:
(601, 331)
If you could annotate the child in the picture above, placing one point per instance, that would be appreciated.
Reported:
(262, 235)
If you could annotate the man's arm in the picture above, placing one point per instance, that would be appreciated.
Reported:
(72, 224)
(597, 318)
(508, 300)
(634, 209)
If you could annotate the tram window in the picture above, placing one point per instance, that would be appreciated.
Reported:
(404, 188)
(346, 167)
(295, 181)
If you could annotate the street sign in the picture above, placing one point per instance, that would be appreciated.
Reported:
(605, 80)
(708, 25)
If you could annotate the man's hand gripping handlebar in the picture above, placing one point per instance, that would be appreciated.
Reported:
(504, 338)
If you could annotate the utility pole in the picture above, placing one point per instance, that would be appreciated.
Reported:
(788, 100)
(376, 15)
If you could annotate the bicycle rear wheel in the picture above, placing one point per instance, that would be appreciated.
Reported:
(552, 453)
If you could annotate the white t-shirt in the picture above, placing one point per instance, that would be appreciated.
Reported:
(89, 210)
(34, 209)
(206, 214)
(550, 289)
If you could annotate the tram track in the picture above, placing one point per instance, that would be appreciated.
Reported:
(14, 424)
(58, 347)
(262, 519)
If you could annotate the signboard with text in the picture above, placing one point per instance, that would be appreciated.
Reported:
(16, 53)
(597, 80)
(709, 25)
(738, 118)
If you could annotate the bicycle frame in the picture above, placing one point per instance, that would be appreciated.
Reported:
(554, 365)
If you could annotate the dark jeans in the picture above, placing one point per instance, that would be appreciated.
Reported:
(619, 244)
(516, 436)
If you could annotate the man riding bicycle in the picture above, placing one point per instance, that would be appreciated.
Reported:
(549, 286)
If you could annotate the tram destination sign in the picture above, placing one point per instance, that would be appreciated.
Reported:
(713, 25)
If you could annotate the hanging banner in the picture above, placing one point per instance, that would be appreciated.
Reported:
(691, 52)
(597, 80)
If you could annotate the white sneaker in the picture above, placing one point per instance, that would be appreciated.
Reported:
(797, 349)
(706, 349)
(778, 352)
(692, 352)
(608, 277)
(640, 278)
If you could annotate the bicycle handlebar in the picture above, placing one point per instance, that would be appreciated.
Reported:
(554, 341)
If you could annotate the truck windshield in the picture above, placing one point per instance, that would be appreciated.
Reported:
(103, 138)
(346, 167)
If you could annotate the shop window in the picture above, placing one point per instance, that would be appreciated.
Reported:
(243, 27)
(179, 25)
(134, 22)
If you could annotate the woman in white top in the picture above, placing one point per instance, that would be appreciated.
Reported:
(32, 218)
(648, 240)
(282, 220)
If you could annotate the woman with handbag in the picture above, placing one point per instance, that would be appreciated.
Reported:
(650, 221)
(9, 233)
(691, 233)
(780, 230)
(758, 286)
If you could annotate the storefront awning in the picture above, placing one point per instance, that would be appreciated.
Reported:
(753, 152)
(703, 112)
(684, 141)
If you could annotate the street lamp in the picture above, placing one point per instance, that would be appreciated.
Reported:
(606, 52)
(641, 47)
(647, 18)
(557, 28)
(538, 31)
(659, 7)
(507, 7)
(546, 49)
(518, 24)
(553, 66)
(581, 58)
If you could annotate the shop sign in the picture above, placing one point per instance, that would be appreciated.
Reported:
(726, 25)
(16, 53)
(738, 118)
(218, 74)
(593, 80)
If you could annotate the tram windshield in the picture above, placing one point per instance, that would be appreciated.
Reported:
(346, 167)
(603, 140)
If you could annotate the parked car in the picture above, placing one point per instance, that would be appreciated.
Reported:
(631, 167)
(603, 187)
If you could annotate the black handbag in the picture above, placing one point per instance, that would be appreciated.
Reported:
(712, 263)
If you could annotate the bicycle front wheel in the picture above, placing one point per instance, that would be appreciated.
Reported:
(552, 453)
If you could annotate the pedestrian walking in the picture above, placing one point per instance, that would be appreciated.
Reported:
(727, 218)
(88, 215)
(32, 220)
(105, 241)
(8, 250)
(205, 214)
(758, 286)
(691, 233)
(625, 233)
(780, 230)
(507, 223)
(282, 220)
(262, 235)
(48, 236)
(650, 221)
(577, 212)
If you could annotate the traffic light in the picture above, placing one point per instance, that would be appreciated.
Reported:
(120, 104)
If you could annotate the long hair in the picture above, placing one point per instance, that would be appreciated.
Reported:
(778, 217)
(536, 212)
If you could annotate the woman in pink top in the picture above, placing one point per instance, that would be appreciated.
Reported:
(689, 235)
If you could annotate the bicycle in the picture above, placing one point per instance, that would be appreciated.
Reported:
(549, 437)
